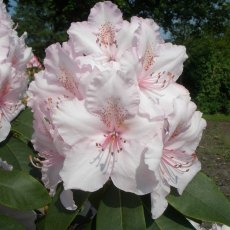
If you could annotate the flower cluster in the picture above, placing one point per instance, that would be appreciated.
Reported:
(107, 107)
(14, 56)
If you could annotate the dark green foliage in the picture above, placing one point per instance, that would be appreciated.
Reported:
(206, 73)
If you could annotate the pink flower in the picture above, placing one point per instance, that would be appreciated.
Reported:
(179, 163)
(13, 80)
(155, 65)
(108, 138)
(12, 88)
(102, 36)
(50, 148)
(34, 62)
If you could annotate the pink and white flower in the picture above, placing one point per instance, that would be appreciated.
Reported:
(179, 164)
(108, 138)
(50, 148)
(155, 64)
(12, 88)
(14, 56)
(104, 37)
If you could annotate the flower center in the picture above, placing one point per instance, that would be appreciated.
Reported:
(106, 35)
(113, 142)
(113, 114)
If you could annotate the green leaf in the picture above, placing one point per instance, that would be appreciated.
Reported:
(120, 210)
(8, 223)
(16, 153)
(21, 191)
(202, 200)
(16, 148)
(171, 218)
(58, 217)
(22, 126)
(89, 226)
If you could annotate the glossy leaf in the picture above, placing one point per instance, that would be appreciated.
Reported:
(58, 217)
(22, 126)
(16, 153)
(8, 223)
(172, 219)
(120, 210)
(202, 200)
(21, 191)
(16, 148)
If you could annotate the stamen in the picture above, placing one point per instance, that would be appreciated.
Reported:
(112, 142)
(175, 160)
(35, 162)
(155, 81)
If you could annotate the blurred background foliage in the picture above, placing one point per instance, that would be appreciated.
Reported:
(201, 25)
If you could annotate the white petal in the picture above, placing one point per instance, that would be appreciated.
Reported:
(185, 178)
(179, 119)
(104, 12)
(107, 87)
(75, 123)
(86, 168)
(149, 107)
(188, 139)
(130, 172)
(84, 37)
(147, 132)
(125, 38)
(67, 200)
(50, 175)
(167, 96)
(158, 199)
(196, 225)
(4, 128)
(148, 34)
(170, 58)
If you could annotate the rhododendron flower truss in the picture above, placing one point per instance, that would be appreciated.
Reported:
(108, 138)
(107, 108)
